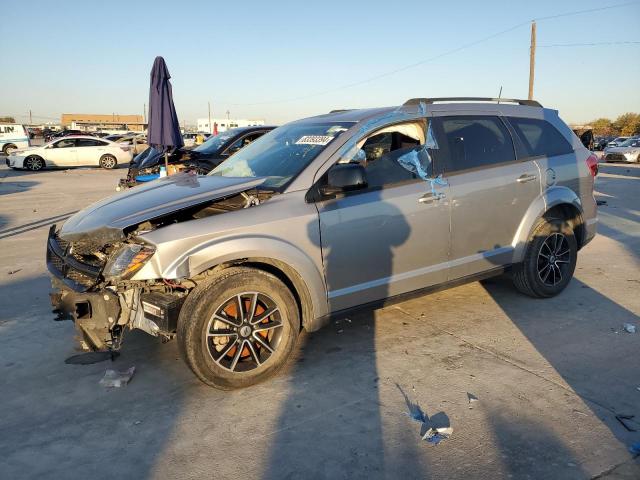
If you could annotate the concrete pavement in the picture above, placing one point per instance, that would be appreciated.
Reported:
(550, 375)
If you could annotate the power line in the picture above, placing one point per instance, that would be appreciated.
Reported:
(435, 57)
(590, 10)
(588, 44)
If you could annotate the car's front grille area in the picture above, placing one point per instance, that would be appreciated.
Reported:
(615, 157)
(80, 271)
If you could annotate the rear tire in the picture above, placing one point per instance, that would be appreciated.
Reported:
(108, 162)
(549, 261)
(227, 349)
(33, 163)
(8, 148)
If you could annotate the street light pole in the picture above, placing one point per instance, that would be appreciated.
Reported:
(209, 124)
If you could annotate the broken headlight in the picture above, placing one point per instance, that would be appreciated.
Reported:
(127, 261)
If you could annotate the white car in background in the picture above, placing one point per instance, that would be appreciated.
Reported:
(77, 151)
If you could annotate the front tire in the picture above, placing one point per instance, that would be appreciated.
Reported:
(550, 259)
(108, 162)
(33, 163)
(238, 328)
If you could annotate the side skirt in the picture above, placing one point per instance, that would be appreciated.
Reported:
(320, 322)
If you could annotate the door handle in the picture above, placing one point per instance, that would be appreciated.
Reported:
(430, 197)
(524, 178)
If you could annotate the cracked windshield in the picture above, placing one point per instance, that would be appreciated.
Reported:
(283, 153)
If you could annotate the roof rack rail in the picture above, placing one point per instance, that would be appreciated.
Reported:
(341, 110)
(417, 101)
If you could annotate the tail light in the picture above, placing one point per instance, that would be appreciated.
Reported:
(592, 163)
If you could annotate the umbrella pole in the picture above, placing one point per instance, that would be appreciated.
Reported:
(166, 162)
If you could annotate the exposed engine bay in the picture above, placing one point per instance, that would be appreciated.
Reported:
(92, 277)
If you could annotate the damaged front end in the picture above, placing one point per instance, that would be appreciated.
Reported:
(91, 286)
(94, 268)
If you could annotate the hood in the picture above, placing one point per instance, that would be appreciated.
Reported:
(105, 221)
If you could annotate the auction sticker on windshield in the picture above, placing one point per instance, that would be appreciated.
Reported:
(314, 140)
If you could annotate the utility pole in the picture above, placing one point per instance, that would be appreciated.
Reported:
(228, 115)
(532, 59)
(144, 112)
(30, 118)
(210, 126)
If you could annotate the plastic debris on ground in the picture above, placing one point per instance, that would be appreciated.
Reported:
(434, 429)
(116, 379)
(436, 435)
(472, 398)
(629, 328)
(635, 448)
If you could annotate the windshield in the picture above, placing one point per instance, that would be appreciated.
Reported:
(213, 144)
(629, 143)
(281, 154)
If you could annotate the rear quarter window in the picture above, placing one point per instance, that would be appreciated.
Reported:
(539, 137)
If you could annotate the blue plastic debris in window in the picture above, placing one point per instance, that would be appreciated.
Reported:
(419, 162)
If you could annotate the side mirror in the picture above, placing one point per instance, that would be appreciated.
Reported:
(345, 177)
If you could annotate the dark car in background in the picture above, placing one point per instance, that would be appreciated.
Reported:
(202, 159)
(600, 143)
(64, 133)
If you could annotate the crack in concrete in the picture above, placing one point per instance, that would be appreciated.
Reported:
(514, 364)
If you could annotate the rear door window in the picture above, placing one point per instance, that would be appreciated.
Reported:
(471, 141)
(540, 138)
(88, 142)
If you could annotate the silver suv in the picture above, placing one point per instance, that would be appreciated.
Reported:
(324, 215)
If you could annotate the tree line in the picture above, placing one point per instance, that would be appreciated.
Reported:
(626, 125)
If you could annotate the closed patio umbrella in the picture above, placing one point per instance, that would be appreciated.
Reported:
(164, 130)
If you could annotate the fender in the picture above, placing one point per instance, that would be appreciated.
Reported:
(553, 196)
(263, 249)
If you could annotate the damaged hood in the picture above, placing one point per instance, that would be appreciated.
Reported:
(104, 222)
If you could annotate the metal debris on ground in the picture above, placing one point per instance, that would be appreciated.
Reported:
(116, 379)
(629, 328)
(436, 435)
(472, 398)
(11, 272)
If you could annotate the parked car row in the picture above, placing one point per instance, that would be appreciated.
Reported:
(202, 159)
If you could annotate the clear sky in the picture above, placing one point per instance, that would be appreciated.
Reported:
(257, 58)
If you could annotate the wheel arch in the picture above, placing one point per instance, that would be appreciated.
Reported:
(558, 200)
(7, 145)
(285, 273)
(278, 257)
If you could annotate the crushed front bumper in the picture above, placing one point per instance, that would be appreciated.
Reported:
(95, 314)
